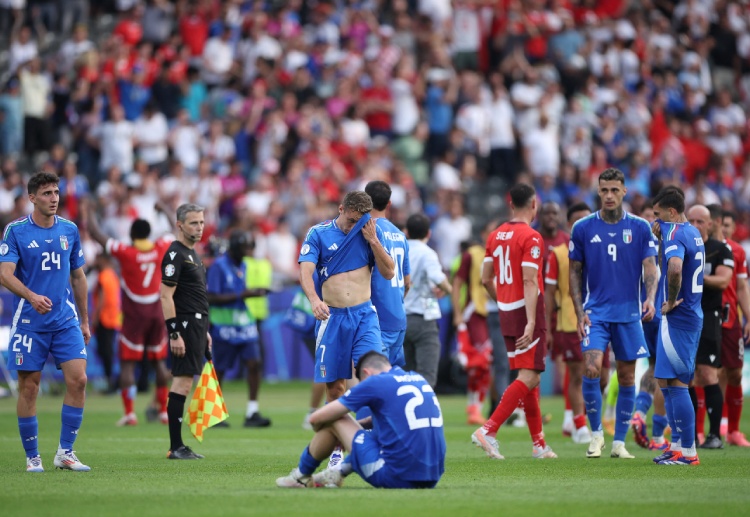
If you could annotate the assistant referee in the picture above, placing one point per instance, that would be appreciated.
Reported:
(184, 301)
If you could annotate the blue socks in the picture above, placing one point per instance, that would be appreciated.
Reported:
(71, 422)
(643, 401)
(592, 398)
(660, 423)
(684, 415)
(624, 408)
(308, 464)
(28, 427)
(670, 415)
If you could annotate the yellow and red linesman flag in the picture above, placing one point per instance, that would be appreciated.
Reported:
(207, 407)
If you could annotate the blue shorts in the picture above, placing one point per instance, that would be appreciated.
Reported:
(393, 341)
(28, 350)
(343, 338)
(225, 354)
(676, 351)
(628, 341)
(367, 461)
(651, 333)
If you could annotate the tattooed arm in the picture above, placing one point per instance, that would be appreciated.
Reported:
(576, 275)
(650, 279)
(674, 282)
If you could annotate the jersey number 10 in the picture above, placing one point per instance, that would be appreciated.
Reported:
(398, 258)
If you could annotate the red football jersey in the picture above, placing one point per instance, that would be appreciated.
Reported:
(560, 238)
(140, 269)
(729, 297)
(511, 247)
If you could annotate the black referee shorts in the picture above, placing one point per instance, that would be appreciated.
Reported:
(709, 345)
(193, 328)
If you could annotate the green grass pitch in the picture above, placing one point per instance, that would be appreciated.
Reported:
(131, 477)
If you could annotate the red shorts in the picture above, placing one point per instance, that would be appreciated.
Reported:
(732, 347)
(480, 340)
(533, 358)
(142, 331)
(567, 345)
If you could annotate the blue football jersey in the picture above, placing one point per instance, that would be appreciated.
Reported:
(322, 243)
(612, 257)
(388, 295)
(683, 240)
(407, 422)
(44, 258)
(231, 322)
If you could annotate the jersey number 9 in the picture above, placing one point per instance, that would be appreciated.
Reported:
(612, 250)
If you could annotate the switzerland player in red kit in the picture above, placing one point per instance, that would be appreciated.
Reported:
(512, 275)
(143, 330)
(733, 336)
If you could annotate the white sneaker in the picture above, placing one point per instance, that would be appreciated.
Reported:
(520, 420)
(582, 435)
(337, 456)
(596, 446)
(129, 419)
(487, 443)
(306, 425)
(34, 464)
(328, 478)
(568, 428)
(295, 479)
(67, 460)
(545, 453)
(619, 451)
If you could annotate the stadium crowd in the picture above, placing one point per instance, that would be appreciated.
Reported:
(267, 112)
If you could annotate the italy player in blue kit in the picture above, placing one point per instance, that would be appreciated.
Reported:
(41, 263)
(683, 260)
(406, 447)
(388, 295)
(344, 251)
(610, 251)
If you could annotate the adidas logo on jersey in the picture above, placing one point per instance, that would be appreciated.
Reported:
(33, 245)
(596, 239)
(642, 350)
(333, 247)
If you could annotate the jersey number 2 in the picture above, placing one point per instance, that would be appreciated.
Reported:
(416, 401)
(698, 288)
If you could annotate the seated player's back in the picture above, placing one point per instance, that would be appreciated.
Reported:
(407, 421)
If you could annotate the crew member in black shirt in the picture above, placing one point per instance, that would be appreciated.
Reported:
(184, 301)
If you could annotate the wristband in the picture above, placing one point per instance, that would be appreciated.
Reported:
(171, 325)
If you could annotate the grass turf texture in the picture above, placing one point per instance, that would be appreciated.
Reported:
(131, 476)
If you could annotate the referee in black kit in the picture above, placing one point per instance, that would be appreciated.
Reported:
(184, 301)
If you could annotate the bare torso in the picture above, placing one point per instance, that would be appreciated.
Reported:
(348, 289)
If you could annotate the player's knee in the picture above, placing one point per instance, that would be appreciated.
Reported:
(592, 372)
(76, 383)
(734, 377)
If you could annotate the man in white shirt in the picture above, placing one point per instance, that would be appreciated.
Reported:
(152, 131)
(115, 140)
(422, 339)
(218, 58)
(35, 91)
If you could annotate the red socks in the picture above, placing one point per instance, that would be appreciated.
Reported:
(162, 393)
(513, 396)
(579, 420)
(733, 406)
(566, 386)
(534, 417)
(700, 413)
(127, 401)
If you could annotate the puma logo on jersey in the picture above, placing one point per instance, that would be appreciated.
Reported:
(33, 245)
(172, 255)
(333, 247)
(596, 239)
